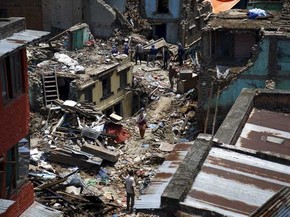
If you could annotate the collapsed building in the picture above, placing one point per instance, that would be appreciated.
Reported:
(93, 75)
(56, 16)
(240, 52)
(177, 21)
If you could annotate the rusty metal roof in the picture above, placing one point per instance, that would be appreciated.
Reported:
(235, 184)
(19, 39)
(278, 205)
(266, 131)
(151, 199)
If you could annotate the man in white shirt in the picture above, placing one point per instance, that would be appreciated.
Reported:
(129, 185)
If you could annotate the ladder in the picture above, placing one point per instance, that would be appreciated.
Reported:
(50, 88)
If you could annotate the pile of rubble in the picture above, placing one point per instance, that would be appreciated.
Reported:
(79, 156)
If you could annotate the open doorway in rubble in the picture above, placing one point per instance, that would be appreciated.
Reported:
(160, 31)
(116, 108)
(63, 88)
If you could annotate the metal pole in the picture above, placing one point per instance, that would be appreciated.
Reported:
(215, 112)
(208, 107)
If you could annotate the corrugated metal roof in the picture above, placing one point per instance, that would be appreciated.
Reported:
(278, 205)
(152, 196)
(19, 39)
(235, 184)
(266, 131)
(5, 204)
(37, 209)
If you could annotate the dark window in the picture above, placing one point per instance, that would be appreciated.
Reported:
(11, 170)
(89, 95)
(162, 6)
(123, 79)
(106, 83)
(17, 165)
(16, 73)
(11, 76)
(3, 13)
(23, 148)
(3, 77)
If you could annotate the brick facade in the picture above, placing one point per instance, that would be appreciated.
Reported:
(14, 123)
(23, 199)
(14, 115)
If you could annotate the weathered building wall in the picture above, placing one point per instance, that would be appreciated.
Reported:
(100, 17)
(11, 26)
(254, 76)
(61, 14)
(171, 30)
(30, 9)
(283, 64)
(120, 4)
(119, 95)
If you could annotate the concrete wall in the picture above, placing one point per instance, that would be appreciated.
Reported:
(100, 17)
(174, 10)
(120, 4)
(61, 14)
(30, 9)
(171, 32)
(11, 25)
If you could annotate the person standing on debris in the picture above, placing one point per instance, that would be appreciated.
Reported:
(142, 123)
(126, 48)
(138, 53)
(129, 185)
(166, 56)
(172, 74)
(152, 55)
(114, 49)
(180, 54)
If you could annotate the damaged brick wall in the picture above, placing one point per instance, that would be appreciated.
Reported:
(15, 115)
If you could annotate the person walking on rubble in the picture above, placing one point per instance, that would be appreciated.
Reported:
(171, 74)
(166, 56)
(142, 123)
(138, 53)
(180, 54)
(152, 55)
(129, 185)
(126, 48)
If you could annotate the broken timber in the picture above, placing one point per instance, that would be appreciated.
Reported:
(74, 158)
(101, 152)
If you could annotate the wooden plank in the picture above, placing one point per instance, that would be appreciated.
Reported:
(101, 152)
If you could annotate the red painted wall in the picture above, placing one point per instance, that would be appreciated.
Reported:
(14, 125)
(23, 199)
(14, 116)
